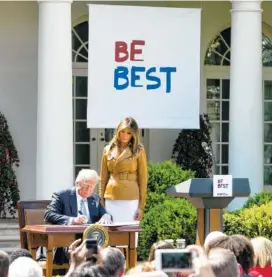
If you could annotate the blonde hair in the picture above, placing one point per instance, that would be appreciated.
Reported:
(212, 236)
(132, 125)
(263, 251)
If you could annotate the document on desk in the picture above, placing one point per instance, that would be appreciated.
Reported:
(118, 224)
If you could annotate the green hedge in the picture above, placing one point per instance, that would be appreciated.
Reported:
(165, 217)
(259, 199)
(172, 219)
(251, 222)
(160, 177)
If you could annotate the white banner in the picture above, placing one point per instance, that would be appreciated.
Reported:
(144, 62)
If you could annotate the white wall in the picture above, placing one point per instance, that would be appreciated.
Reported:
(18, 85)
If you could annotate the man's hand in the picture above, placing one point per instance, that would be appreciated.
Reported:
(138, 215)
(105, 219)
(82, 219)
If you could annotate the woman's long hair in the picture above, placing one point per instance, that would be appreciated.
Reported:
(134, 143)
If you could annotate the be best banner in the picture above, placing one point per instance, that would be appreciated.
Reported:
(144, 62)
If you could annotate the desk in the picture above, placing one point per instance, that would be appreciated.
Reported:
(52, 236)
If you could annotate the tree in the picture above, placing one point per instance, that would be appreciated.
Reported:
(9, 191)
(193, 149)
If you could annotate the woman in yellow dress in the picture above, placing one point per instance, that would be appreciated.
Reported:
(123, 174)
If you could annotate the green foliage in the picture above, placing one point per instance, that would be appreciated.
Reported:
(160, 177)
(164, 175)
(9, 191)
(193, 149)
(173, 218)
(259, 199)
(251, 222)
(165, 217)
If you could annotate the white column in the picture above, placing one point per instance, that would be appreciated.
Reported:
(246, 100)
(54, 164)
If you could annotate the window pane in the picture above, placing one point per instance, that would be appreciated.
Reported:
(216, 153)
(267, 132)
(267, 111)
(225, 132)
(225, 170)
(215, 132)
(82, 56)
(267, 90)
(81, 109)
(213, 109)
(82, 154)
(217, 170)
(225, 153)
(225, 110)
(109, 133)
(268, 154)
(225, 89)
(267, 175)
(78, 168)
(213, 88)
(226, 60)
(81, 86)
(82, 132)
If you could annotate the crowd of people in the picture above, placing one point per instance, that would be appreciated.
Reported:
(221, 256)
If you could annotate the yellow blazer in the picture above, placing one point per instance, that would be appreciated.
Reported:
(124, 177)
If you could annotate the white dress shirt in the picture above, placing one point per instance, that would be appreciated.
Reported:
(79, 198)
(70, 220)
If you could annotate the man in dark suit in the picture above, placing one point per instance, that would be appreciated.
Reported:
(75, 206)
(78, 205)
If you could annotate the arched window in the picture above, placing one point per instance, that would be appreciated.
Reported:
(219, 50)
(80, 42)
(217, 101)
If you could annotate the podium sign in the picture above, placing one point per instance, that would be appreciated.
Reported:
(222, 186)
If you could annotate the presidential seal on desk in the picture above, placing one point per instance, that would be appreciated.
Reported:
(98, 232)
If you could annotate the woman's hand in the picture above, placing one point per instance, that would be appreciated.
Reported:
(138, 215)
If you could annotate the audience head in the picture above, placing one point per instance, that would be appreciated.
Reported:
(240, 246)
(25, 267)
(4, 264)
(89, 270)
(212, 236)
(158, 245)
(19, 253)
(86, 181)
(223, 263)
(263, 251)
(150, 274)
(113, 260)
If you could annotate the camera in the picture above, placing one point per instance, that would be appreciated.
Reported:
(92, 246)
(173, 260)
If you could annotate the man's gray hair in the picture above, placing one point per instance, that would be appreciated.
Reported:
(25, 267)
(4, 264)
(113, 260)
(87, 175)
(223, 263)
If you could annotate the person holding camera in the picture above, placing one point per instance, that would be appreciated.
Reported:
(124, 174)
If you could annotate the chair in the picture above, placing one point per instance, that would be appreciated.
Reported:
(32, 213)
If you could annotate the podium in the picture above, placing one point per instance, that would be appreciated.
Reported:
(199, 193)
